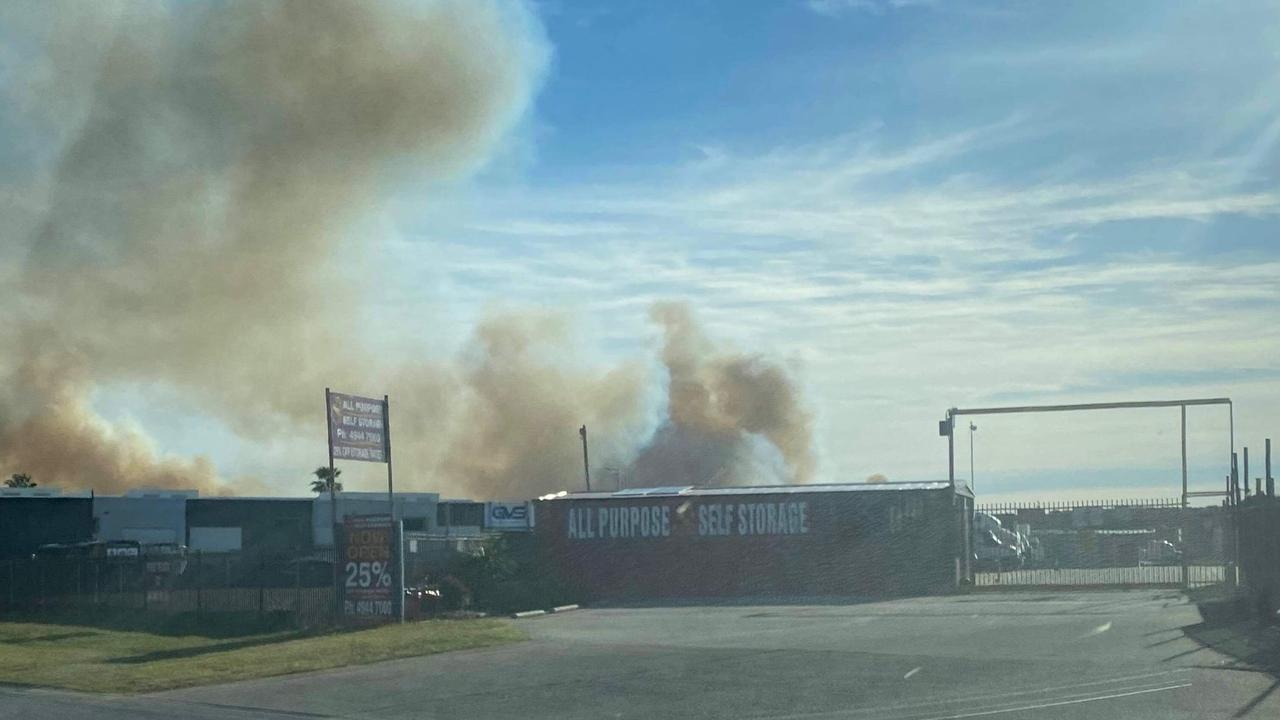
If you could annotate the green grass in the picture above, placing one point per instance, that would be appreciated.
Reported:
(125, 660)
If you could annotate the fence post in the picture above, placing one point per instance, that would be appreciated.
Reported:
(262, 591)
(199, 580)
(297, 594)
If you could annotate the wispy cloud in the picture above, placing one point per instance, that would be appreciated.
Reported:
(835, 8)
(952, 286)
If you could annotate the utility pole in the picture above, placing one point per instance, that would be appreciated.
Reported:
(972, 429)
(586, 465)
(1271, 482)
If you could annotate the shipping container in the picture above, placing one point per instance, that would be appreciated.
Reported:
(882, 539)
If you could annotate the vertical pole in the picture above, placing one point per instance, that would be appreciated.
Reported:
(586, 466)
(1235, 479)
(297, 594)
(1184, 455)
(1271, 482)
(333, 506)
(386, 449)
(1235, 520)
(199, 582)
(1245, 472)
(1183, 514)
(262, 588)
(1231, 430)
(397, 532)
(397, 544)
(972, 427)
(951, 447)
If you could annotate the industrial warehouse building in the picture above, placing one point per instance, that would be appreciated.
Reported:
(31, 517)
(34, 517)
(796, 540)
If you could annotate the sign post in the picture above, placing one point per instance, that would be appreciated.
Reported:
(360, 429)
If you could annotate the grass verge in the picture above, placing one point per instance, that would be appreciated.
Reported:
(105, 659)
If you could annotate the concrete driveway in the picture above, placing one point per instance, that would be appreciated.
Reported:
(1067, 655)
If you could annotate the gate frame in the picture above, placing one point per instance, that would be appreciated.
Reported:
(947, 427)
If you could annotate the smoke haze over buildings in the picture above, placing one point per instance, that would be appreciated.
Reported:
(197, 214)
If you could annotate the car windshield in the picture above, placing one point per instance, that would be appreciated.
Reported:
(750, 359)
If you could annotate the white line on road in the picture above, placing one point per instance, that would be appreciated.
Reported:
(967, 698)
(1098, 630)
(911, 672)
(1040, 706)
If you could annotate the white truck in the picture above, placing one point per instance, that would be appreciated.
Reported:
(994, 546)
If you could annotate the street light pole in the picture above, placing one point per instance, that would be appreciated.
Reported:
(972, 428)
(586, 466)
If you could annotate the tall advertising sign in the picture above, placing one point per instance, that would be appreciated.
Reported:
(357, 428)
(372, 586)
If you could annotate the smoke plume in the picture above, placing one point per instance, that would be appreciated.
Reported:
(197, 229)
(719, 405)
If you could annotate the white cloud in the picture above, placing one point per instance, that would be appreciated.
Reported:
(836, 8)
(955, 289)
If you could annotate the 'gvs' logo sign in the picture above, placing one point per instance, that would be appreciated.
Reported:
(506, 512)
(508, 515)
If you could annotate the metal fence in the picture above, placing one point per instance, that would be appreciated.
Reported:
(299, 585)
(1113, 543)
(1131, 576)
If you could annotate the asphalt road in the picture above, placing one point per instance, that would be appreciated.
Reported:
(1062, 655)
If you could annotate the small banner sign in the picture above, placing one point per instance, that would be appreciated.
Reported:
(368, 573)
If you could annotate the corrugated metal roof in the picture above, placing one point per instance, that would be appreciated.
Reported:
(756, 490)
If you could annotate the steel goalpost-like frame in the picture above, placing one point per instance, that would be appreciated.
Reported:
(947, 427)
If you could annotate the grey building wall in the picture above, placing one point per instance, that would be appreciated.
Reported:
(418, 510)
(31, 517)
(145, 516)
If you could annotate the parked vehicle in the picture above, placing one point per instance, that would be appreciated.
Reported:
(1160, 552)
(990, 553)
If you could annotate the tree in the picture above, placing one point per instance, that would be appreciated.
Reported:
(19, 480)
(324, 480)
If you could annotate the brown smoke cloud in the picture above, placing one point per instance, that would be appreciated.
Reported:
(198, 232)
(197, 221)
(718, 403)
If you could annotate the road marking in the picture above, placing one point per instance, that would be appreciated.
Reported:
(967, 698)
(911, 672)
(1098, 630)
(1059, 703)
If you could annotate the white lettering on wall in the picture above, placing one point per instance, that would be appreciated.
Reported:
(713, 520)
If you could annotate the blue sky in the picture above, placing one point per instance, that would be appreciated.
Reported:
(918, 205)
(912, 204)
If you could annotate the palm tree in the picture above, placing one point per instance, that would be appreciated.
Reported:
(324, 479)
(19, 480)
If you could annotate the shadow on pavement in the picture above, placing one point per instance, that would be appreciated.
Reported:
(1251, 645)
